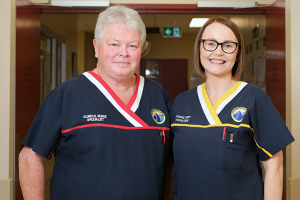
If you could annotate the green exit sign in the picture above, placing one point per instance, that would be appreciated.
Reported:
(172, 32)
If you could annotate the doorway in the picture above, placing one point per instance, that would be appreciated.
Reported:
(172, 10)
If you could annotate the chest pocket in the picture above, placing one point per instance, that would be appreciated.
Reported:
(232, 148)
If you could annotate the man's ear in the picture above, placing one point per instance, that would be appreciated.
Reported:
(95, 47)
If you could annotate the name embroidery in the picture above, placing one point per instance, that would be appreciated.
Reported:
(180, 118)
(95, 117)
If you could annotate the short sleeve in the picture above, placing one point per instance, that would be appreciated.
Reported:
(270, 131)
(45, 131)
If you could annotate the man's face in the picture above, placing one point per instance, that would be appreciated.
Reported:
(119, 51)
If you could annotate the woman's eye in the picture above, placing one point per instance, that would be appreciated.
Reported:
(211, 44)
(229, 45)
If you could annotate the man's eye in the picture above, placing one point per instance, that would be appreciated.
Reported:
(113, 44)
(134, 46)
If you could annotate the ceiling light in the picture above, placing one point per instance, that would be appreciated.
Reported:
(80, 3)
(197, 22)
(226, 4)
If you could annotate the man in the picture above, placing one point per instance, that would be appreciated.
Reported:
(108, 128)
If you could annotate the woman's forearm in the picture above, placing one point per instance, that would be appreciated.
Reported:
(273, 177)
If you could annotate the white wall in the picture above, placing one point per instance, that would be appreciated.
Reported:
(7, 63)
(293, 96)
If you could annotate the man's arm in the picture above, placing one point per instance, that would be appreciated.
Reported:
(32, 174)
(273, 177)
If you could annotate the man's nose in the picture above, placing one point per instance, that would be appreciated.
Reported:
(124, 51)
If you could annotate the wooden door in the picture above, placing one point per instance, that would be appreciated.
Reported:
(171, 74)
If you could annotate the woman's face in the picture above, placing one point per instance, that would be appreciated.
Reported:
(218, 63)
(119, 51)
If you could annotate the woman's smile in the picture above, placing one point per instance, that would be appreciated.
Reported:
(217, 61)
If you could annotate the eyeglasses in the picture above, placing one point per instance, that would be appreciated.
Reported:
(211, 45)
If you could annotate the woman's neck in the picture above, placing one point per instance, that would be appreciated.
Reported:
(217, 87)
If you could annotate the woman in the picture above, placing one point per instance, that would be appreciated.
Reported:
(225, 127)
(108, 128)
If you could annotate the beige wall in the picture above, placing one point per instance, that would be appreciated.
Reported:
(80, 50)
(90, 62)
(293, 96)
(57, 23)
(7, 63)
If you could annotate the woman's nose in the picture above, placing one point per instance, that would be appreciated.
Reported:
(219, 50)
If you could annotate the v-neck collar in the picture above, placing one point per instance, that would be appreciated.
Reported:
(211, 112)
(136, 96)
(128, 111)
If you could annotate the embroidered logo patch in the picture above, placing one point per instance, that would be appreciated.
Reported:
(158, 116)
(238, 113)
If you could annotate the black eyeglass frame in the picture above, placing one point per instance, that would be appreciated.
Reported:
(203, 40)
